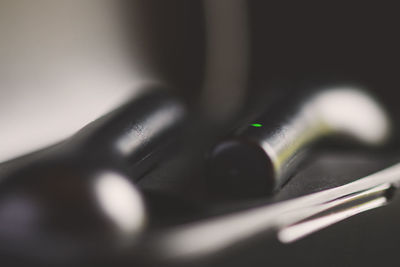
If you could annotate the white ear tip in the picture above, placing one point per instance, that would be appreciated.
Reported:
(353, 112)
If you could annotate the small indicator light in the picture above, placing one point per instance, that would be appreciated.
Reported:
(256, 125)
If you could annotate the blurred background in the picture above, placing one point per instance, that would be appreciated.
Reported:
(64, 63)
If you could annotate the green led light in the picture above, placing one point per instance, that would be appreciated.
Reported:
(256, 125)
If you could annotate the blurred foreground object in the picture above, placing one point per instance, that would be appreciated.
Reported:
(76, 199)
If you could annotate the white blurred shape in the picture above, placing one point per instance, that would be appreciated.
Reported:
(121, 202)
(298, 231)
(353, 112)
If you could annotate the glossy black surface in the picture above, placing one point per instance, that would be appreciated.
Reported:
(264, 151)
(59, 204)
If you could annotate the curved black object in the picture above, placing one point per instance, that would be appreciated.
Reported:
(77, 199)
(261, 154)
(135, 135)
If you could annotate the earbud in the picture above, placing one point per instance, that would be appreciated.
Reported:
(77, 199)
(260, 156)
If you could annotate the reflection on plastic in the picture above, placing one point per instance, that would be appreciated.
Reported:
(120, 201)
(155, 124)
(295, 232)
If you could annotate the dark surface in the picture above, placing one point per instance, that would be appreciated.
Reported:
(343, 244)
